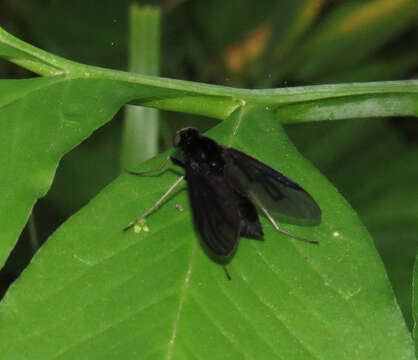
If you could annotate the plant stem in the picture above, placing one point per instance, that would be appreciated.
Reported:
(140, 140)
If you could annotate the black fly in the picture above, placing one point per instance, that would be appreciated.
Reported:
(225, 187)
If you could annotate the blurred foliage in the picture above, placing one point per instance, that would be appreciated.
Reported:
(263, 44)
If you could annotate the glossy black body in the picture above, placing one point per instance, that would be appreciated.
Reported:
(224, 184)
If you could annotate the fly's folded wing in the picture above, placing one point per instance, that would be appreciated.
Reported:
(276, 192)
(215, 212)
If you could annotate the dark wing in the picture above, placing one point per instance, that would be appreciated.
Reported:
(215, 212)
(276, 192)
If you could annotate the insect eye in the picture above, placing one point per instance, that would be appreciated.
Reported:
(176, 140)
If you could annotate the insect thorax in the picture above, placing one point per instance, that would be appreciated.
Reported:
(205, 157)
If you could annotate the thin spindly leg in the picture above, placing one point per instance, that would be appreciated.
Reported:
(277, 227)
(156, 205)
(226, 272)
(159, 168)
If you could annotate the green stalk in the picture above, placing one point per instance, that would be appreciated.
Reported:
(140, 139)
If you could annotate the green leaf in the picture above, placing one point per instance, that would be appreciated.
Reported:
(370, 163)
(42, 119)
(46, 117)
(93, 291)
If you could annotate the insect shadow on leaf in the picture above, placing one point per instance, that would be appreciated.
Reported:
(225, 188)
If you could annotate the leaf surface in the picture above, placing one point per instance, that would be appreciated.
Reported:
(43, 118)
(93, 291)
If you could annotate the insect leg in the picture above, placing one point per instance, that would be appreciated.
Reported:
(277, 227)
(156, 205)
(177, 162)
(159, 168)
(226, 272)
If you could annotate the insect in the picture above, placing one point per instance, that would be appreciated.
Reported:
(225, 188)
